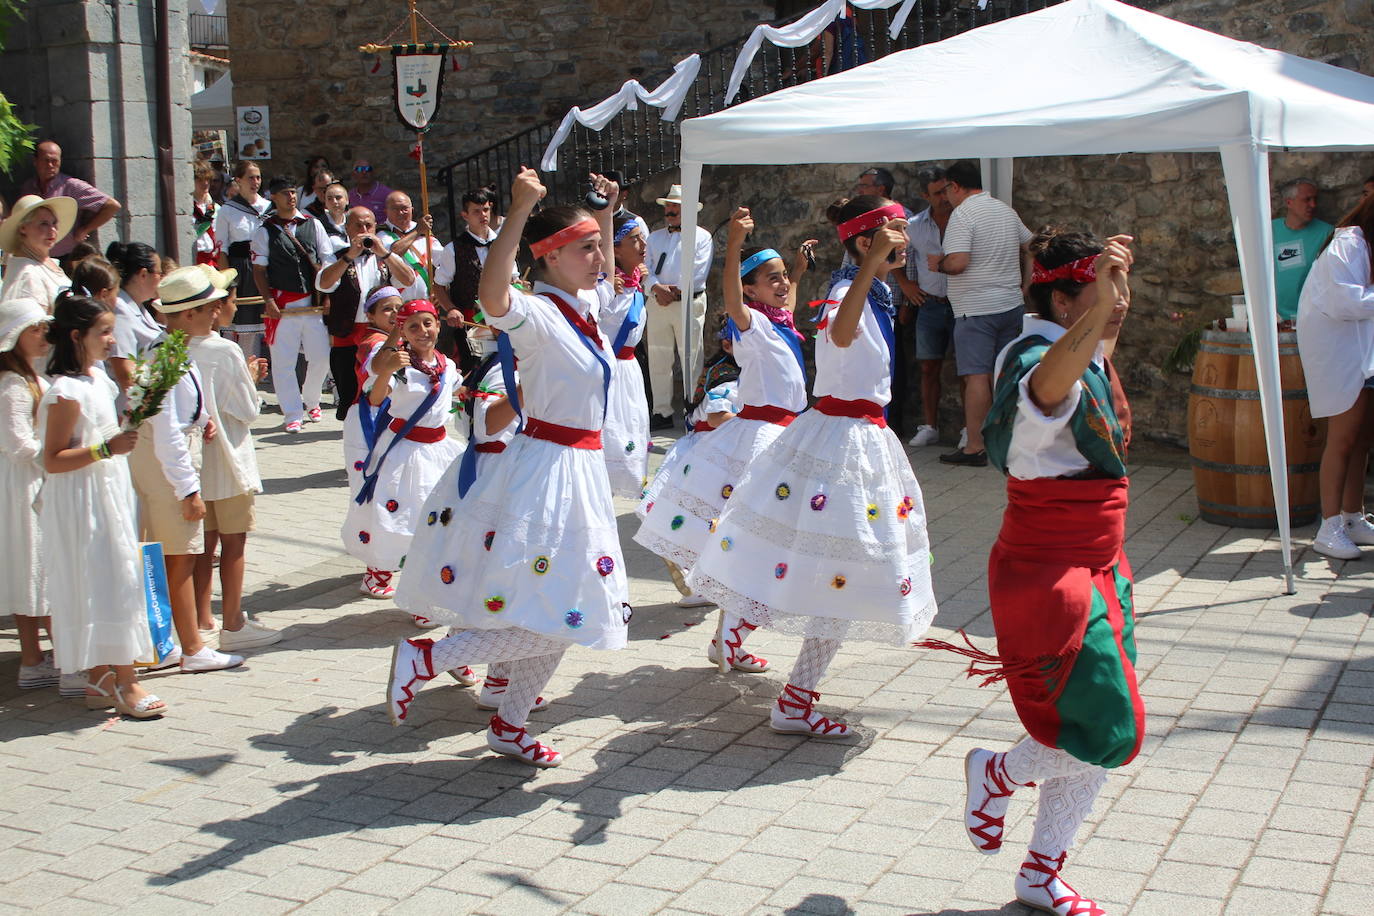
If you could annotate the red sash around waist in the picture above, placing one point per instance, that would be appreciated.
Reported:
(778, 416)
(570, 436)
(858, 410)
(625, 353)
(419, 433)
(490, 448)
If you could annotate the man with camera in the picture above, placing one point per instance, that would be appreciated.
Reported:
(362, 267)
(288, 249)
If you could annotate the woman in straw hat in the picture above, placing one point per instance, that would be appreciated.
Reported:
(27, 237)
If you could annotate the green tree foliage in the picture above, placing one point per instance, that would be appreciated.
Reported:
(16, 137)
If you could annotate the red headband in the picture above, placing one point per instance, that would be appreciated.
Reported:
(562, 237)
(1084, 270)
(870, 220)
(415, 307)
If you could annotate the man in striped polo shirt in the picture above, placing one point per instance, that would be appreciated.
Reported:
(988, 262)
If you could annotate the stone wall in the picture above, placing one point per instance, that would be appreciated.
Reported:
(522, 70)
(83, 71)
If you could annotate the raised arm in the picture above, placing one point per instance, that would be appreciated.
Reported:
(494, 288)
(800, 264)
(741, 224)
(605, 217)
(844, 327)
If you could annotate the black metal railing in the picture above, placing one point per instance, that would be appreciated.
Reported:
(206, 31)
(640, 144)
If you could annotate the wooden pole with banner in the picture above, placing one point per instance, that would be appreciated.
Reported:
(417, 84)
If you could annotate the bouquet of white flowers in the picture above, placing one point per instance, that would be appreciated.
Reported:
(155, 374)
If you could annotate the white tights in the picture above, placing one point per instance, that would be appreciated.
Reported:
(815, 657)
(1068, 788)
(527, 658)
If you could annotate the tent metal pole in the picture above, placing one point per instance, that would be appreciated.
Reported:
(691, 193)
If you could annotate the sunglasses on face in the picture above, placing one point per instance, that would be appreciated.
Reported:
(362, 168)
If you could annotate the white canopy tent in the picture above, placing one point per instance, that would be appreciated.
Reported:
(1085, 77)
(212, 108)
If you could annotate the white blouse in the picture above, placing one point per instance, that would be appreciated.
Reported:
(1336, 324)
(561, 378)
(612, 318)
(723, 398)
(493, 385)
(135, 330)
(229, 463)
(19, 442)
(234, 224)
(769, 375)
(27, 278)
(861, 371)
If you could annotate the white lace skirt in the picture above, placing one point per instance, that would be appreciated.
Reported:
(825, 536)
(689, 493)
(625, 434)
(378, 532)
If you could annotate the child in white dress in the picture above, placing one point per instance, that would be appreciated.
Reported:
(825, 535)
(87, 516)
(627, 418)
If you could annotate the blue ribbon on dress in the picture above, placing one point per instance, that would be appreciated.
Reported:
(788, 335)
(467, 467)
(633, 318)
(594, 346)
(371, 420)
(369, 487)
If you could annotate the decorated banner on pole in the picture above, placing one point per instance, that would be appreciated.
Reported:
(418, 82)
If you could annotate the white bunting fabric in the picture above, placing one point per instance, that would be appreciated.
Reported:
(806, 30)
(669, 96)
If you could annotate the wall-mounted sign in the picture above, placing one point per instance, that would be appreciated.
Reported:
(255, 133)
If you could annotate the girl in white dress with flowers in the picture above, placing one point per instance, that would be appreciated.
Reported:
(825, 535)
(534, 537)
(87, 514)
(627, 418)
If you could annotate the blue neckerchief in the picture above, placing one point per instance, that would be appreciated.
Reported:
(467, 466)
(879, 292)
(633, 318)
(369, 486)
(788, 336)
(371, 419)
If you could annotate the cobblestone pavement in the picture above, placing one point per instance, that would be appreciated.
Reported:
(283, 786)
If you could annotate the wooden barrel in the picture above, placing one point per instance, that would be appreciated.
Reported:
(1226, 434)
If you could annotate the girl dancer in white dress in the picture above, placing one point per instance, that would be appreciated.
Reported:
(825, 535)
(23, 341)
(759, 298)
(627, 418)
(87, 516)
(380, 307)
(534, 536)
(406, 401)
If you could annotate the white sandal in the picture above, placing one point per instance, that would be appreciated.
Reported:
(104, 699)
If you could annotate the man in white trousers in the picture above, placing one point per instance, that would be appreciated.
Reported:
(665, 334)
(289, 248)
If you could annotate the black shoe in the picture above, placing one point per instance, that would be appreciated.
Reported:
(658, 421)
(968, 459)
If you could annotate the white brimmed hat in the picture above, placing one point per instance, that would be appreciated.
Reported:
(64, 208)
(16, 317)
(223, 279)
(675, 197)
(185, 288)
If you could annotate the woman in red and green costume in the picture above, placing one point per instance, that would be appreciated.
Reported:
(1058, 577)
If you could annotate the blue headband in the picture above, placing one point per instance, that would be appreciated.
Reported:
(757, 258)
(625, 230)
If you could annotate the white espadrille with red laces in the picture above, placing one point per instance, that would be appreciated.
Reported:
(795, 714)
(514, 741)
(1039, 887)
(494, 690)
(989, 793)
(377, 583)
(738, 659)
(465, 676)
(411, 666)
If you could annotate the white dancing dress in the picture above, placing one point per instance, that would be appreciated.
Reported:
(723, 398)
(825, 535)
(626, 434)
(533, 543)
(88, 519)
(688, 499)
(378, 532)
(21, 479)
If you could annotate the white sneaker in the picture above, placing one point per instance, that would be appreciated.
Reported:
(694, 601)
(963, 437)
(208, 659)
(1333, 540)
(1361, 530)
(72, 684)
(170, 660)
(252, 635)
(925, 435)
(43, 674)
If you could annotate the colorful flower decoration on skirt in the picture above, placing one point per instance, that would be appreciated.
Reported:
(904, 508)
(726, 491)
(446, 575)
(364, 537)
(392, 505)
(446, 516)
(837, 582)
(495, 604)
(783, 491)
(727, 543)
(540, 565)
(401, 565)
(605, 565)
(649, 508)
(358, 465)
(629, 447)
(711, 526)
(676, 523)
(626, 612)
(872, 512)
(573, 618)
(818, 502)
(686, 469)
(905, 587)
(433, 517)
(487, 539)
(780, 571)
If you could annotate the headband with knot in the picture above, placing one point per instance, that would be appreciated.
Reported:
(577, 230)
(1084, 270)
(416, 307)
(870, 220)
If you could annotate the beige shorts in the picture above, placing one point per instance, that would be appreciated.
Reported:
(159, 510)
(230, 516)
